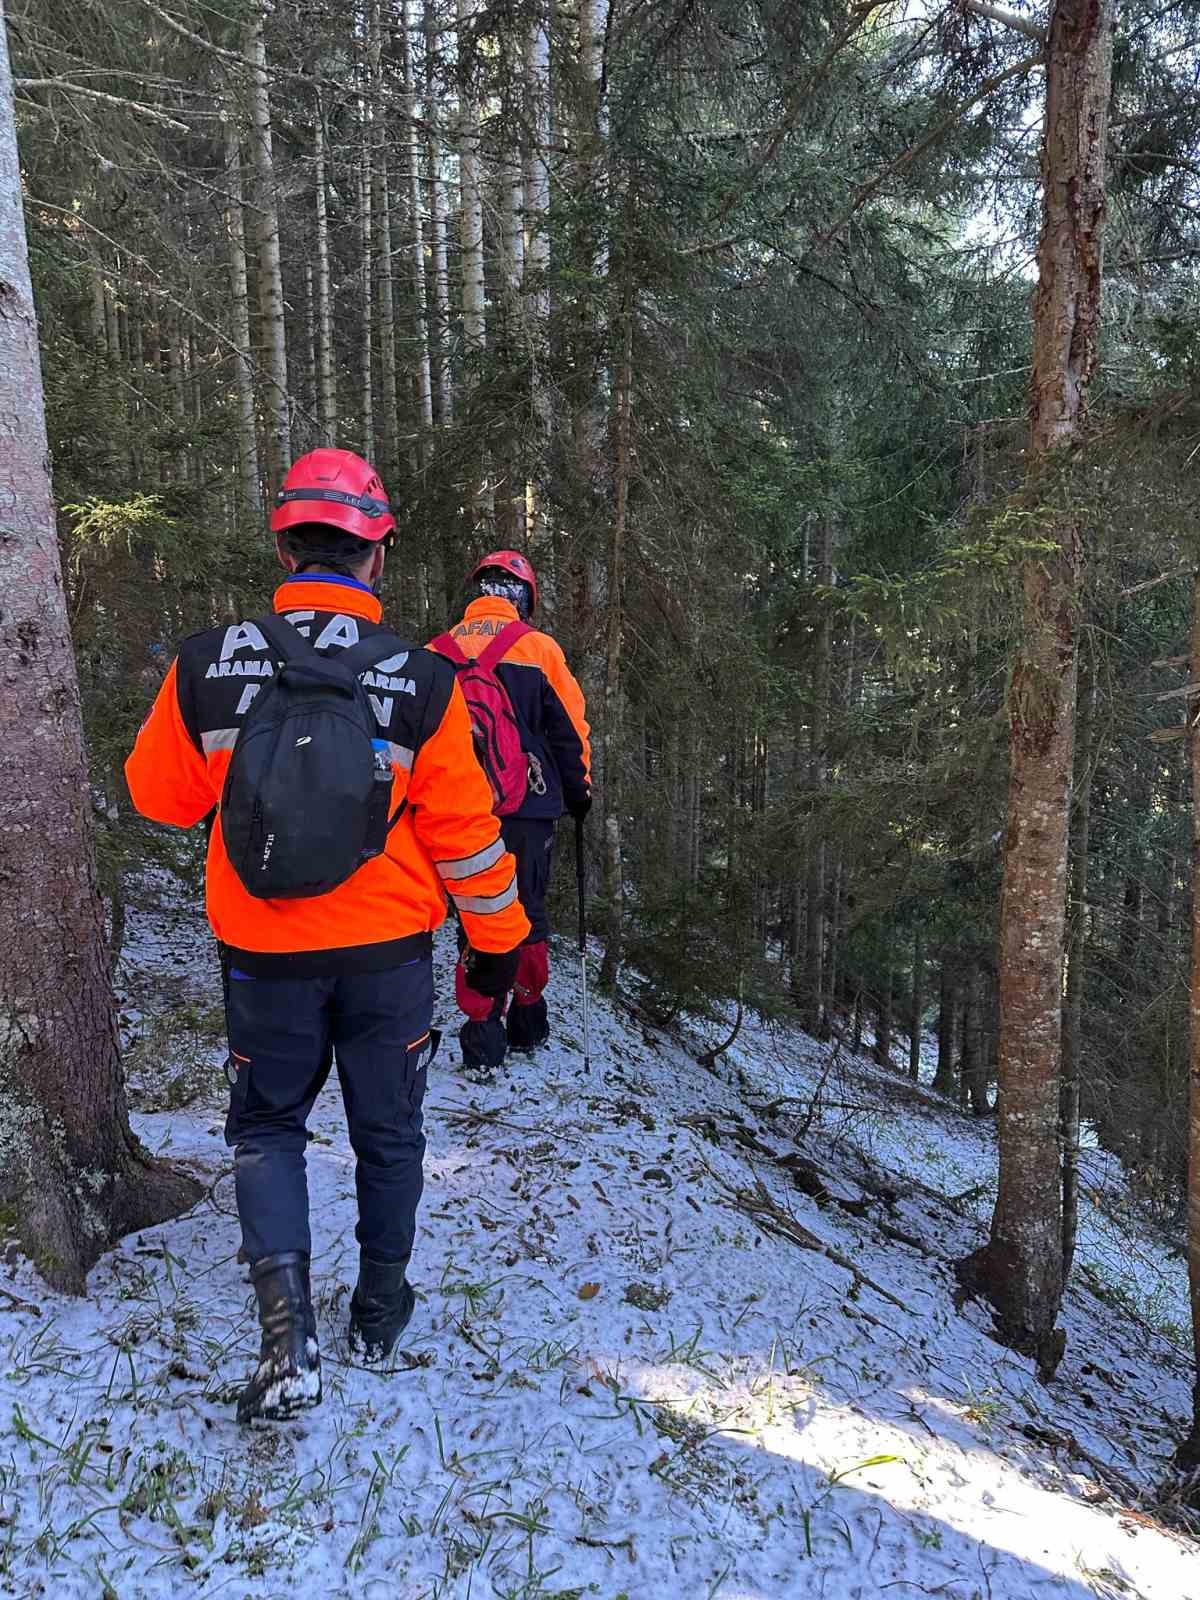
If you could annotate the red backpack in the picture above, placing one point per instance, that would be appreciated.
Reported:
(493, 721)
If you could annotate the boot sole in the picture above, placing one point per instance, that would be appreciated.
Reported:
(274, 1406)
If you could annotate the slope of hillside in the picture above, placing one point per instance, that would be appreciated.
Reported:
(656, 1353)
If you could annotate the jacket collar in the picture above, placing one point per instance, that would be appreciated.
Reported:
(325, 592)
(491, 605)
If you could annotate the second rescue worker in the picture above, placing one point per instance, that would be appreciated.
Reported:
(349, 804)
(551, 729)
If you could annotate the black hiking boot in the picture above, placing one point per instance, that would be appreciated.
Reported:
(380, 1308)
(288, 1377)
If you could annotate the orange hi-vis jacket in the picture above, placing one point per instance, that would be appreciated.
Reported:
(547, 702)
(446, 842)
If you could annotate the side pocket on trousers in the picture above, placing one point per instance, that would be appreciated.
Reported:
(237, 1075)
(416, 1066)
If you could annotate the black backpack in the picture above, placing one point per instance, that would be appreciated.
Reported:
(308, 792)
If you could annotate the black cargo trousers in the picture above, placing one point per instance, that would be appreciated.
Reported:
(284, 1036)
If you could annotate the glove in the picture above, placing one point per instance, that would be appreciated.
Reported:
(579, 808)
(492, 973)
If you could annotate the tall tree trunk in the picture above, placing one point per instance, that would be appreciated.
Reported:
(326, 367)
(512, 496)
(471, 223)
(1189, 1451)
(71, 1171)
(943, 1078)
(367, 292)
(812, 1015)
(1020, 1267)
(611, 738)
(537, 174)
(883, 1020)
(536, 278)
(422, 375)
(1076, 947)
(381, 219)
(974, 1061)
(270, 271)
(439, 324)
(249, 491)
(917, 1007)
(177, 391)
(470, 243)
(838, 890)
(97, 319)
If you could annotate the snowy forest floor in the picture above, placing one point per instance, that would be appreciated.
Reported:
(655, 1353)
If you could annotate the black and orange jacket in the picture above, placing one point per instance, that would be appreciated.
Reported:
(446, 842)
(546, 699)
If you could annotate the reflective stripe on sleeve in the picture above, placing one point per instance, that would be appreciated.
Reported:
(468, 866)
(485, 905)
(218, 739)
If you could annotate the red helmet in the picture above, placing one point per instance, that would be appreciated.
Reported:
(511, 561)
(339, 489)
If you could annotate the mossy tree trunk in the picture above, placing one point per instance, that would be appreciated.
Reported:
(1020, 1269)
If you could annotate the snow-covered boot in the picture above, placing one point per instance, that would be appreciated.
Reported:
(527, 1026)
(483, 1048)
(380, 1308)
(288, 1376)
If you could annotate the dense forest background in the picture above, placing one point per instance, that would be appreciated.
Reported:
(721, 311)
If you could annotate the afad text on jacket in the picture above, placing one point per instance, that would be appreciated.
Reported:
(546, 700)
(446, 842)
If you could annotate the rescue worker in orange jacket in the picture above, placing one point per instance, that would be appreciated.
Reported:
(348, 971)
(549, 708)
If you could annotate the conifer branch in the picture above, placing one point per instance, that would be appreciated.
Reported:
(1006, 19)
(66, 86)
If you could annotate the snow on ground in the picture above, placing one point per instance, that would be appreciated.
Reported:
(634, 1376)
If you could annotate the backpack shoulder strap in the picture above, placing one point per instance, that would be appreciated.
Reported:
(281, 636)
(447, 645)
(502, 644)
(369, 652)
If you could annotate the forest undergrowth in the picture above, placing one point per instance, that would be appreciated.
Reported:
(681, 1330)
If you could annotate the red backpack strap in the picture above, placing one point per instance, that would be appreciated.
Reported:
(447, 645)
(502, 644)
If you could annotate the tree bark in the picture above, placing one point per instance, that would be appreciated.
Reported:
(611, 737)
(943, 1078)
(917, 1007)
(366, 285)
(250, 500)
(422, 374)
(1020, 1267)
(974, 1061)
(440, 271)
(71, 1170)
(381, 217)
(537, 175)
(173, 354)
(326, 369)
(1076, 947)
(471, 224)
(883, 1020)
(813, 1013)
(1188, 1456)
(470, 244)
(270, 271)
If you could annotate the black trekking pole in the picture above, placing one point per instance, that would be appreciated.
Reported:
(579, 879)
